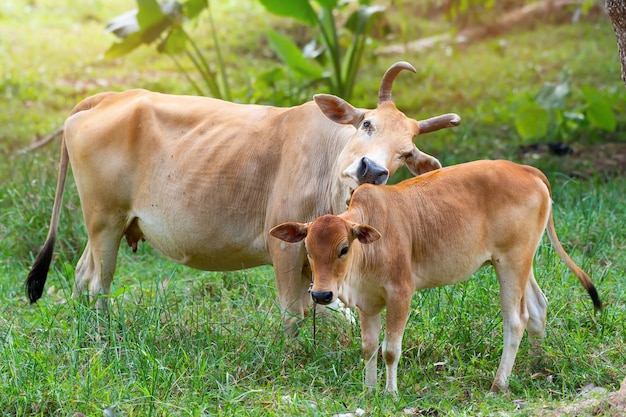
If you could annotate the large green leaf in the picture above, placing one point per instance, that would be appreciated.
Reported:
(291, 55)
(142, 27)
(175, 42)
(272, 76)
(193, 8)
(149, 14)
(599, 111)
(298, 9)
(358, 22)
(531, 121)
(328, 4)
(124, 47)
(552, 96)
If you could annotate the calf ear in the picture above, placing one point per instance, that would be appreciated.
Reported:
(365, 233)
(292, 232)
(421, 162)
(338, 110)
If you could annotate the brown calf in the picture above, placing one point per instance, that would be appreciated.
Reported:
(430, 231)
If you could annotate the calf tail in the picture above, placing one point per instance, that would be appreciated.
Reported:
(580, 274)
(39, 273)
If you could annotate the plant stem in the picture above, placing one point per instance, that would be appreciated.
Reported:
(203, 67)
(220, 61)
(327, 24)
(187, 76)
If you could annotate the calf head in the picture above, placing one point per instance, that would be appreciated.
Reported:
(383, 140)
(328, 240)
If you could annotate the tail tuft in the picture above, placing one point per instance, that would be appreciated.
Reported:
(597, 304)
(39, 273)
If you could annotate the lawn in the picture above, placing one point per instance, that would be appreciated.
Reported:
(183, 342)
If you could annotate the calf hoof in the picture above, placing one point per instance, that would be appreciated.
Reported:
(498, 389)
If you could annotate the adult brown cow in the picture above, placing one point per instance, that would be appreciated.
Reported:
(203, 180)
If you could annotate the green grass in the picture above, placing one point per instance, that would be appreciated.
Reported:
(184, 342)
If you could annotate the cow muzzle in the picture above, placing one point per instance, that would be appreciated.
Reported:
(322, 297)
(370, 172)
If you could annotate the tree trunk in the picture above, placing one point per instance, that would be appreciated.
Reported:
(616, 9)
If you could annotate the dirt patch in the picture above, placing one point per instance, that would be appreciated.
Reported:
(557, 10)
(606, 160)
(594, 402)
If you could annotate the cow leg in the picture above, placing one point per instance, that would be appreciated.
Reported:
(370, 335)
(292, 283)
(537, 305)
(96, 266)
(397, 316)
(513, 275)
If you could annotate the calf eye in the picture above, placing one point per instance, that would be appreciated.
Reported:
(367, 126)
(343, 252)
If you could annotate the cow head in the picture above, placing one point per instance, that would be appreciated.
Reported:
(383, 140)
(328, 240)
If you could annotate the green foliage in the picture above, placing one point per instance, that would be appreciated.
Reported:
(464, 11)
(343, 62)
(487, 12)
(165, 24)
(598, 111)
(297, 9)
(547, 114)
(289, 53)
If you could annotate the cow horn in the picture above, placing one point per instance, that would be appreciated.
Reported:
(439, 122)
(384, 93)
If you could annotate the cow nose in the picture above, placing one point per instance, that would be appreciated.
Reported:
(370, 172)
(322, 297)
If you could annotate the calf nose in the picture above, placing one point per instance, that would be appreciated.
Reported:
(322, 297)
(370, 172)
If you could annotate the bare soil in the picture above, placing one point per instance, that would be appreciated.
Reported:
(593, 402)
(606, 160)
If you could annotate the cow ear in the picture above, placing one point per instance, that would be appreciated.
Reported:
(365, 233)
(338, 110)
(421, 162)
(291, 232)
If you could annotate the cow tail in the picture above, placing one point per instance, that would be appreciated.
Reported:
(580, 274)
(39, 273)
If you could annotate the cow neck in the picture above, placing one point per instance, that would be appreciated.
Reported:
(340, 193)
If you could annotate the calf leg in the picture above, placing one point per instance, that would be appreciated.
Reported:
(537, 306)
(513, 275)
(370, 334)
(397, 316)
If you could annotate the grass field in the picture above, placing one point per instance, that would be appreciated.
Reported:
(188, 343)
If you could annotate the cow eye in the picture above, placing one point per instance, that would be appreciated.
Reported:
(367, 125)
(343, 252)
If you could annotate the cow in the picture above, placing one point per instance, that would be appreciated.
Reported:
(202, 180)
(429, 231)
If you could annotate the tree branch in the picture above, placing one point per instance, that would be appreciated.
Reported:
(616, 10)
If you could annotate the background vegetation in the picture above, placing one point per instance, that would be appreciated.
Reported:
(185, 342)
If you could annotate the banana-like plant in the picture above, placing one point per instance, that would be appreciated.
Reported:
(162, 23)
(342, 47)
